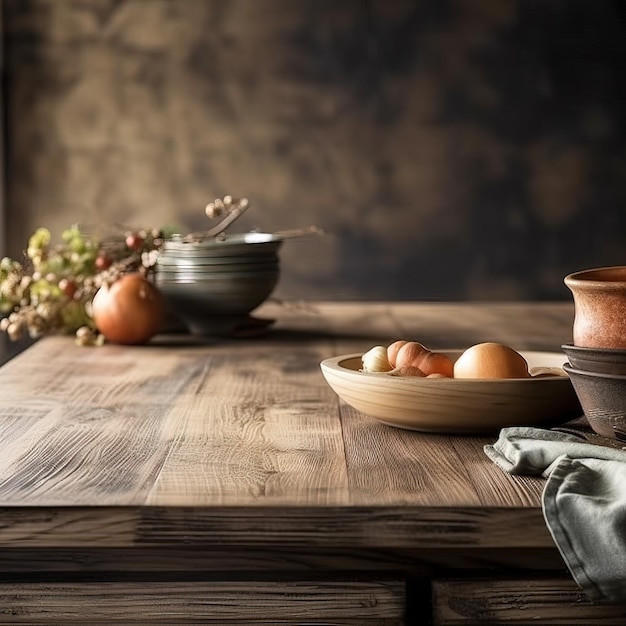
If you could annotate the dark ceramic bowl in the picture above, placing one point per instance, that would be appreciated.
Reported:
(600, 360)
(216, 306)
(204, 273)
(224, 265)
(603, 400)
(212, 285)
(260, 273)
(237, 245)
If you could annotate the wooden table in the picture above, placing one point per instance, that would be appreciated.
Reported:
(222, 482)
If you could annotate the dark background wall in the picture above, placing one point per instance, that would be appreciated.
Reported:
(453, 149)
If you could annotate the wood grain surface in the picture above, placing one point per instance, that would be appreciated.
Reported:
(518, 601)
(376, 602)
(198, 459)
(184, 423)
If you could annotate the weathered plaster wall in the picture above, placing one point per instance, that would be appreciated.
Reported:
(456, 149)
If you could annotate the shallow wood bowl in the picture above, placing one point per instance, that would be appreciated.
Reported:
(463, 406)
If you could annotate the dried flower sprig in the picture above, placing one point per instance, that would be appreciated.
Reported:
(228, 209)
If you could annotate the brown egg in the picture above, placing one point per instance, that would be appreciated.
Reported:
(491, 360)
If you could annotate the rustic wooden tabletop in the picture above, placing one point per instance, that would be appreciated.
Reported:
(251, 423)
(233, 455)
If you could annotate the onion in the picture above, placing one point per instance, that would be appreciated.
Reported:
(129, 311)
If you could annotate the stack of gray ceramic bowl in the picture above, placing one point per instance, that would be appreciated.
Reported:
(599, 379)
(213, 284)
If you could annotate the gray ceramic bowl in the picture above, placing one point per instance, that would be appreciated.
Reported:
(227, 264)
(190, 276)
(603, 400)
(601, 360)
(212, 285)
(217, 306)
(243, 244)
(200, 272)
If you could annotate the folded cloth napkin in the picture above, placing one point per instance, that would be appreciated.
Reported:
(584, 502)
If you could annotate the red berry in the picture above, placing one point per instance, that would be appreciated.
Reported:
(103, 262)
(134, 241)
(68, 287)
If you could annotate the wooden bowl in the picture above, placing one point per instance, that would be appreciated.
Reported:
(448, 405)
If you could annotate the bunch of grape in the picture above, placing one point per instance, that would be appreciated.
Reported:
(50, 292)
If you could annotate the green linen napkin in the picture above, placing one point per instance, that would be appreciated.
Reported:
(584, 502)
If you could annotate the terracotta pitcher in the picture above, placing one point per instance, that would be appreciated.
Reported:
(600, 307)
